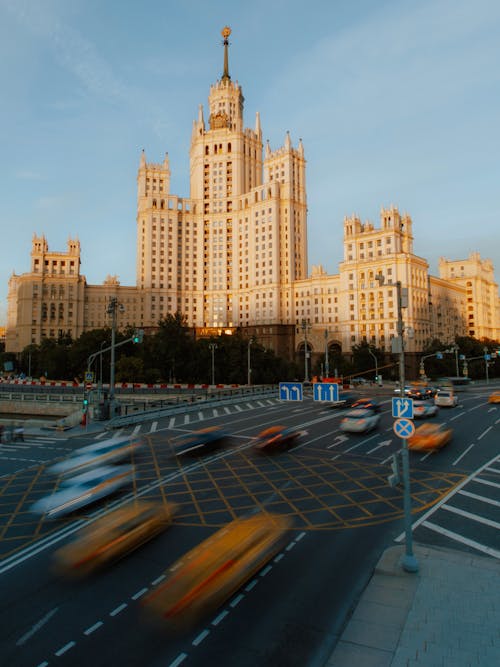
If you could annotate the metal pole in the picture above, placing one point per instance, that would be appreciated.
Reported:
(212, 347)
(112, 310)
(376, 364)
(486, 363)
(409, 562)
(306, 372)
(456, 361)
(249, 366)
(327, 364)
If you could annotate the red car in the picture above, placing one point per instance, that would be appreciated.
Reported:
(277, 438)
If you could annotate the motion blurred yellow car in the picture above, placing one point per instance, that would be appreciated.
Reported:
(494, 397)
(430, 436)
(113, 536)
(209, 574)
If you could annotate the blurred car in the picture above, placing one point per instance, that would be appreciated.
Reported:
(397, 390)
(277, 438)
(446, 399)
(201, 580)
(197, 442)
(346, 399)
(359, 381)
(367, 404)
(359, 421)
(97, 455)
(84, 489)
(430, 436)
(494, 397)
(113, 536)
(423, 409)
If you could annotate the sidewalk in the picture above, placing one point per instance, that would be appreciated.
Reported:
(446, 615)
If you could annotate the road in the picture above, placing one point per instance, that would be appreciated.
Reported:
(291, 613)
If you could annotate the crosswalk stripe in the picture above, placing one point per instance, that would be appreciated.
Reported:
(137, 429)
(154, 426)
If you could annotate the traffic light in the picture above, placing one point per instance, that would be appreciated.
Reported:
(138, 336)
(85, 402)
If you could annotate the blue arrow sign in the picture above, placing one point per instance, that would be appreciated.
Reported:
(326, 391)
(404, 428)
(290, 391)
(402, 407)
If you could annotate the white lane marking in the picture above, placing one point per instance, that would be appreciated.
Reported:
(200, 415)
(100, 435)
(482, 499)
(65, 648)
(361, 443)
(93, 628)
(137, 429)
(139, 593)
(250, 406)
(278, 558)
(462, 455)
(484, 432)
(200, 637)
(471, 516)
(459, 487)
(266, 570)
(186, 419)
(238, 408)
(118, 609)
(493, 470)
(290, 546)
(461, 414)
(261, 404)
(337, 441)
(43, 664)
(153, 428)
(180, 658)
(171, 422)
(463, 540)
(249, 586)
(300, 536)
(215, 412)
(227, 410)
(117, 434)
(486, 482)
(236, 600)
(157, 581)
(335, 457)
(39, 624)
(220, 617)
(384, 443)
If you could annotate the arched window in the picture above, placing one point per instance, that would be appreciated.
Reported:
(229, 147)
(154, 203)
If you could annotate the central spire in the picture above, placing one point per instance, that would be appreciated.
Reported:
(225, 32)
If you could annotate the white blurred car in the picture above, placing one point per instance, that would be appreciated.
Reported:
(359, 421)
(83, 490)
(422, 409)
(96, 455)
(445, 399)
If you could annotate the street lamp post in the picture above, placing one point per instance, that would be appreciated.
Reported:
(327, 363)
(249, 365)
(212, 347)
(409, 562)
(305, 326)
(113, 307)
(376, 364)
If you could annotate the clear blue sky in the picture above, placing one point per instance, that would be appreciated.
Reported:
(397, 102)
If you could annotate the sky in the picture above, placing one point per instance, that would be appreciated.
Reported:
(397, 103)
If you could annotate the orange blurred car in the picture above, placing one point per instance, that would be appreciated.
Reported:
(113, 536)
(277, 438)
(430, 436)
(209, 574)
(494, 397)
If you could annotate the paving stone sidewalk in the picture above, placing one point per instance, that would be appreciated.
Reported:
(446, 615)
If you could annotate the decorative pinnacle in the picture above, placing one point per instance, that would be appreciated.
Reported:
(225, 32)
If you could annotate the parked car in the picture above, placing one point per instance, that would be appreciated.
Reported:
(96, 455)
(199, 442)
(422, 409)
(113, 536)
(82, 490)
(359, 421)
(446, 399)
(429, 437)
(204, 578)
(277, 438)
(367, 404)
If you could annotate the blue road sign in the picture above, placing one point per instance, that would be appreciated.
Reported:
(291, 391)
(439, 355)
(326, 391)
(404, 428)
(402, 407)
